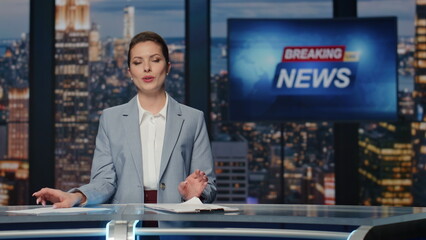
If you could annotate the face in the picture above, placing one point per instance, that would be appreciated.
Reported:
(148, 67)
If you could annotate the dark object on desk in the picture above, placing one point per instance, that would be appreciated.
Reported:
(411, 230)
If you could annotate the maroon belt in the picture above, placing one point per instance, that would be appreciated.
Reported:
(150, 196)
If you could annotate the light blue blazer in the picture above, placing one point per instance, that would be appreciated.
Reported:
(117, 175)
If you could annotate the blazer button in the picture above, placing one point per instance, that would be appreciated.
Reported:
(162, 186)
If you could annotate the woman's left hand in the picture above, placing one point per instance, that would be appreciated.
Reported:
(194, 185)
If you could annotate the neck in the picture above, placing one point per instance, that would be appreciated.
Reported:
(153, 103)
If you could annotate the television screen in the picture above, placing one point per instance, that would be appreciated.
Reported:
(312, 69)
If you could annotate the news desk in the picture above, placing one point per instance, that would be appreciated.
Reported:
(252, 220)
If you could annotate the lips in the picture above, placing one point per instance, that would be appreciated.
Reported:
(148, 78)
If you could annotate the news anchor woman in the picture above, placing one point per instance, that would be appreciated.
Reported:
(151, 149)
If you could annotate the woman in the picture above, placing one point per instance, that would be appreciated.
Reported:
(151, 149)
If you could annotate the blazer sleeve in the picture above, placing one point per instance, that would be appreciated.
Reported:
(202, 159)
(103, 176)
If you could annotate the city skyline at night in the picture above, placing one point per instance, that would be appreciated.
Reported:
(161, 14)
(285, 162)
(14, 107)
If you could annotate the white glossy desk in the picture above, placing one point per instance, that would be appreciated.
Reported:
(367, 222)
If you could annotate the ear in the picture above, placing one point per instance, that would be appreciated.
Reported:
(129, 73)
(169, 67)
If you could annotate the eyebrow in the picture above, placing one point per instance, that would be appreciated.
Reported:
(153, 55)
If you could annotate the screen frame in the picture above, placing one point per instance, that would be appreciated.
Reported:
(394, 116)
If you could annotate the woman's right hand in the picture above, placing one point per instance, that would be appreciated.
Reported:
(60, 199)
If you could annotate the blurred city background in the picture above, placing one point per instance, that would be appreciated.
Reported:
(256, 162)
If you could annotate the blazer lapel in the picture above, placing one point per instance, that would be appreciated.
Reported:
(131, 125)
(174, 123)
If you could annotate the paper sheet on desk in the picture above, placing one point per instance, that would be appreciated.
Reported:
(51, 210)
(193, 205)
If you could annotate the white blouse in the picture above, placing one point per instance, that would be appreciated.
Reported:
(152, 129)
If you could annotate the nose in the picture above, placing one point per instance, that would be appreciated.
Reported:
(147, 67)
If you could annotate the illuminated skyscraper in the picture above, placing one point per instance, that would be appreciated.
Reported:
(73, 152)
(406, 104)
(120, 52)
(329, 189)
(419, 92)
(18, 123)
(308, 162)
(14, 169)
(419, 128)
(95, 45)
(177, 57)
(14, 117)
(3, 140)
(13, 182)
(231, 171)
(3, 102)
(385, 169)
(129, 23)
(72, 15)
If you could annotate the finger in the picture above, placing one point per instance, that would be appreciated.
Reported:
(183, 189)
(62, 205)
(41, 192)
(57, 205)
(36, 194)
(201, 174)
(44, 190)
(182, 185)
(39, 200)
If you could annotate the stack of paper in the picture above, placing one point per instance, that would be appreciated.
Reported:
(51, 210)
(193, 205)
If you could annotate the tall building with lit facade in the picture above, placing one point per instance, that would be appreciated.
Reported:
(73, 152)
(385, 170)
(275, 186)
(177, 57)
(18, 123)
(406, 103)
(14, 182)
(129, 23)
(14, 167)
(120, 52)
(419, 93)
(3, 120)
(308, 163)
(419, 128)
(231, 166)
(95, 45)
(14, 117)
(418, 131)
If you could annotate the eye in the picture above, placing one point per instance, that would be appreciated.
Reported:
(137, 62)
(156, 60)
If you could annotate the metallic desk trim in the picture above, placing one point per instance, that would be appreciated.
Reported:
(242, 232)
(245, 232)
(122, 219)
(78, 232)
(359, 233)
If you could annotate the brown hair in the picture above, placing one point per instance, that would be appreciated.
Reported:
(145, 37)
